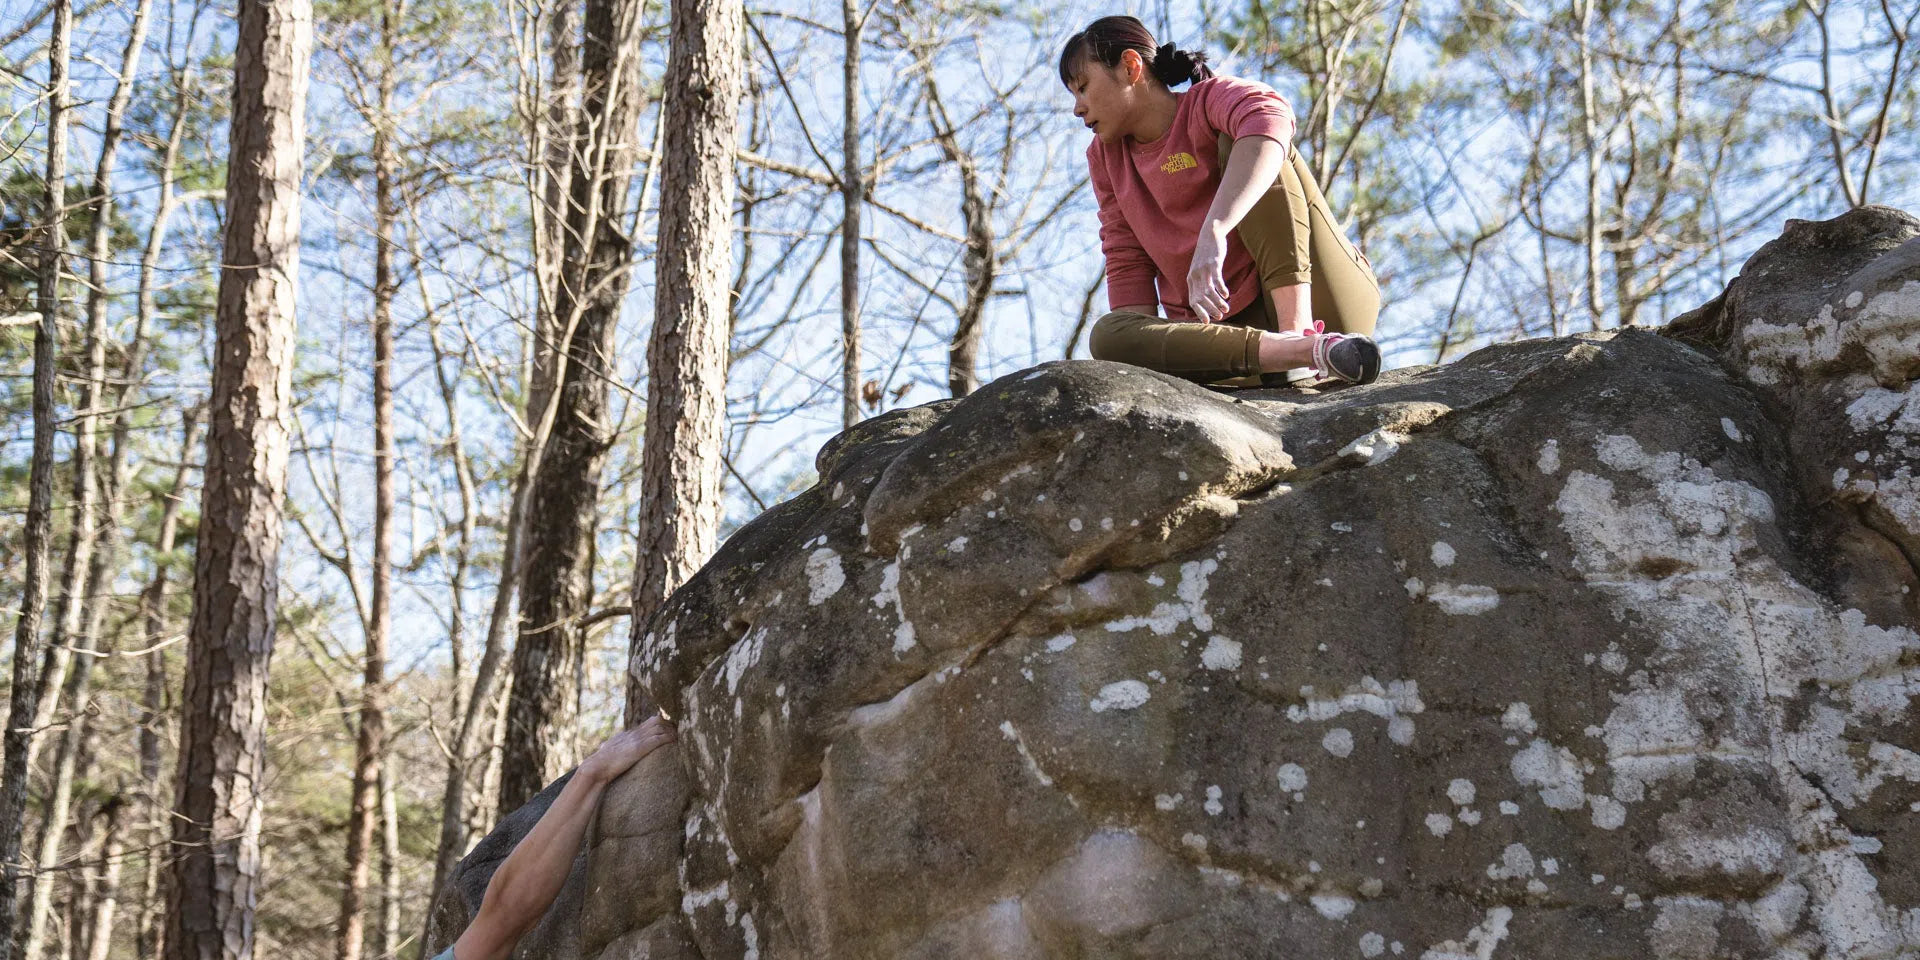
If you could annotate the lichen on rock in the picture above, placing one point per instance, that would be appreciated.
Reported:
(1598, 647)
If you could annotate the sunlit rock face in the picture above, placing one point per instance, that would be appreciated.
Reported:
(1599, 647)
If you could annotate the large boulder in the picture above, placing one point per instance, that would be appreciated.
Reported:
(1597, 647)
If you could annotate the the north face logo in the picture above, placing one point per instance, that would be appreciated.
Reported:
(1179, 162)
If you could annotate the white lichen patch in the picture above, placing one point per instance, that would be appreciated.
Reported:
(1877, 407)
(1190, 607)
(1396, 702)
(1549, 459)
(1729, 849)
(1372, 944)
(1684, 553)
(1061, 642)
(1213, 806)
(1651, 735)
(889, 596)
(1518, 717)
(1333, 906)
(1516, 863)
(1442, 554)
(1614, 662)
(1120, 695)
(1608, 813)
(740, 659)
(1338, 741)
(1166, 802)
(1554, 771)
(1221, 654)
(1393, 702)
(1461, 791)
(1439, 824)
(1033, 766)
(1686, 927)
(1479, 943)
(1885, 327)
(1292, 777)
(825, 576)
(1463, 599)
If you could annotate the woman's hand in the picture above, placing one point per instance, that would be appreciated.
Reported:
(626, 748)
(1206, 278)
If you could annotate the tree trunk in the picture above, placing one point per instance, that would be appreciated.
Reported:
(852, 197)
(88, 524)
(86, 607)
(57, 807)
(152, 816)
(18, 738)
(370, 747)
(963, 353)
(83, 882)
(216, 835)
(1590, 130)
(687, 353)
(555, 136)
(106, 898)
(558, 567)
(153, 699)
(389, 943)
(468, 710)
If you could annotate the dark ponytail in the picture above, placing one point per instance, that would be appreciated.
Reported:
(1105, 39)
(1174, 67)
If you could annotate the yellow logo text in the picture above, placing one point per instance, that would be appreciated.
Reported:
(1179, 162)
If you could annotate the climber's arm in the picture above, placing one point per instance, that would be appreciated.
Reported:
(527, 883)
(1251, 169)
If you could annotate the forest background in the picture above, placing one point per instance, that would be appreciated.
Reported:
(1514, 168)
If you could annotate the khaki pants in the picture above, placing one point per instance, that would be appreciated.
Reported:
(1293, 239)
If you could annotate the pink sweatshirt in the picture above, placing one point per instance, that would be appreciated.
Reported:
(1155, 196)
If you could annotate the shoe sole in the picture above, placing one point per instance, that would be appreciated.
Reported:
(1369, 360)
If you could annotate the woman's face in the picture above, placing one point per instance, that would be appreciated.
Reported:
(1104, 97)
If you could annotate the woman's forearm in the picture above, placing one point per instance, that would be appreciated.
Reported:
(1251, 169)
(551, 845)
(525, 885)
(530, 878)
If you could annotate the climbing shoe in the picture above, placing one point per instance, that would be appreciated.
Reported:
(1336, 356)
(1342, 356)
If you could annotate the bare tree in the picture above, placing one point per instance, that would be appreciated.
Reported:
(980, 261)
(26, 631)
(96, 537)
(557, 586)
(852, 198)
(216, 836)
(371, 743)
(153, 699)
(96, 933)
(687, 353)
(471, 712)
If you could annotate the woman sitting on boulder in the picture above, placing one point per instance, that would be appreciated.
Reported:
(1207, 211)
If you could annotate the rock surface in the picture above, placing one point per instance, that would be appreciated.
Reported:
(1599, 647)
